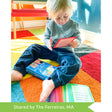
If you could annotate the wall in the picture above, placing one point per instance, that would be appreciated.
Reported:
(88, 14)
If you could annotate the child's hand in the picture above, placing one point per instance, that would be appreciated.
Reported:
(48, 87)
(74, 44)
(49, 44)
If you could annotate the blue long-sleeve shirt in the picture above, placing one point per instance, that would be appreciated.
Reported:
(56, 31)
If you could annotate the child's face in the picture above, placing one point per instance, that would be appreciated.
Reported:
(62, 18)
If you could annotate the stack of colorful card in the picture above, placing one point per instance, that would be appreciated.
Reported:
(71, 93)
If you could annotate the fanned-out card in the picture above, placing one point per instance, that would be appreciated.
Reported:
(64, 42)
(71, 93)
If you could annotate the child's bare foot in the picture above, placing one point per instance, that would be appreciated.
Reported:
(16, 76)
(48, 87)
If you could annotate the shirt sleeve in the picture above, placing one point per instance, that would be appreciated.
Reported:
(77, 33)
(47, 34)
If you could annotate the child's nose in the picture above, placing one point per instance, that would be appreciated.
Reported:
(62, 20)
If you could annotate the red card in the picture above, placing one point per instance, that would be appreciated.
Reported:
(64, 42)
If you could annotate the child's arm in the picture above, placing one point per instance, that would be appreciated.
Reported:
(78, 40)
(48, 39)
(46, 36)
(74, 44)
(49, 44)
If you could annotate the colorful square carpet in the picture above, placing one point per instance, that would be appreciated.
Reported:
(29, 89)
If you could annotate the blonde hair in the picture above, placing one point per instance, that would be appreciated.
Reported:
(55, 6)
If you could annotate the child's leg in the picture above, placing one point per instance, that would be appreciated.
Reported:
(47, 88)
(70, 66)
(32, 53)
(16, 76)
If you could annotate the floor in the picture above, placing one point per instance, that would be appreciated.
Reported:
(94, 85)
(96, 38)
